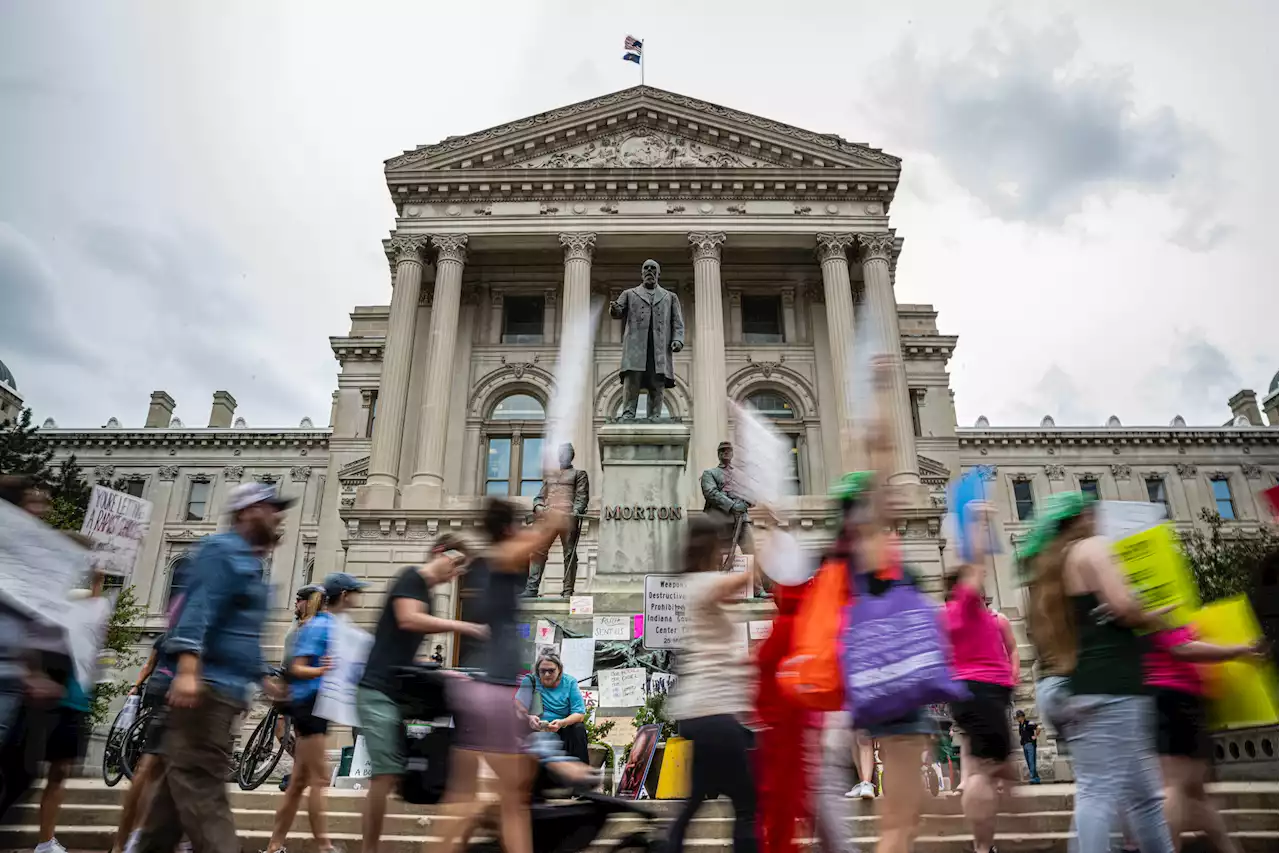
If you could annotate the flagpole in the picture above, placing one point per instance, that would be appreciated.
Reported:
(642, 65)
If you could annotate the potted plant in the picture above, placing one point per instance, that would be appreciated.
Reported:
(599, 752)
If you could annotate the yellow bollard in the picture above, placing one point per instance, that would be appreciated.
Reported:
(677, 762)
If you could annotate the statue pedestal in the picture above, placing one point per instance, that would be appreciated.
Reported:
(641, 514)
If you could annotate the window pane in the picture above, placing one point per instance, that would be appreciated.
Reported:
(530, 488)
(1023, 500)
(793, 470)
(197, 501)
(762, 319)
(531, 459)
(772, 405)
(522, 319)
(642, 408)
(497, 487)
(498, 461)
(134, 487)
(1089, 488)
(518, 407)
(1155, 494)
(1222, 496)
(373, 414)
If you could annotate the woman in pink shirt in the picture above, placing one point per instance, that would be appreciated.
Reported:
(986, 660)
(1182, 738)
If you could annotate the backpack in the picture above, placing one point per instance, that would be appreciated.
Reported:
(811, 675)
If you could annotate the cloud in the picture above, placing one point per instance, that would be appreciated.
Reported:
(1058, 395)
(1032, 133)
(1196, 381)
(32, 322)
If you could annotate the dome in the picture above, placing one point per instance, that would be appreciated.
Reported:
(112, 423)
(175, 424)
(306, 424)
(1271, 389)
(49, 423)
(240, 424)
(981, 422)
(1241, 421)
(1178, 421)
(1047, 422)
(1113, 421)
(6, 377)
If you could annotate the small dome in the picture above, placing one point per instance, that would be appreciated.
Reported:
(306, 424)
(49, 423)
(240, 424)
(175, 424)
(1178, 421)
(981, 422)
(1275, 384)
(1113, 421)
(112, 423)
(1047, 422)
(6, 377)
(1241, 420)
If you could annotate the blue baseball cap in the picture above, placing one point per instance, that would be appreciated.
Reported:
(340, 582)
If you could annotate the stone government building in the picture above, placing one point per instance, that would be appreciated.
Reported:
(775, 239)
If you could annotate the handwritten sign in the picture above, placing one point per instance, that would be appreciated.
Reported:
(581, 605)
(1158, 572)
(611, 627)
(661, 682)
(546, 632)
(578, 656)
(760, 630)
(349, 648)
(665, 604)
(116, 523)
(38, 566)
(1118, 520)
(622, 688)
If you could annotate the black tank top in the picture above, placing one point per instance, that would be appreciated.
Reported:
(1108, 654)
(500, 606)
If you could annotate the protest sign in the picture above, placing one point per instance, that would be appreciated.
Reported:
(578, 654)
(759, 630)
(86, 628)
(761, 458)
(546, 632)
(665, 605)
(38, 566)
(661, 682)
(1156, 569)
(591, 698)
(1243, 692)
(611, 627)
(581, 605)
(622, 688)
(349, 648)
(117, 523)
(963, 497)
(783, 560)
(1116, 520)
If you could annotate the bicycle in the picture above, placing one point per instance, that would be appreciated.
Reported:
(133, 742)
(112, 769)
(263, 751)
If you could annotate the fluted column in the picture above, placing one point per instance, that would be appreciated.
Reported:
(576, 310)
(393, 388)
(838, 297)
(427, 487)
(710, 421)
(880, 301)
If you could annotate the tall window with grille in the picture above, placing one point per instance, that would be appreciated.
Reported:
(1024, 501)
(198, 500)
(1156, 494)
(1222, 498)
(513, 446)
(778, 408)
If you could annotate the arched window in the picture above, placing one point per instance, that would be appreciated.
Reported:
(642, 408)
(778, 408)
(513, 446)
(178, 579)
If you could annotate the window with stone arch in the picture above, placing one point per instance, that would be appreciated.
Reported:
(512, 446)
(179, 571)
(779, 408)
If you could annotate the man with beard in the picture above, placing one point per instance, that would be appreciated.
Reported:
(218, 650)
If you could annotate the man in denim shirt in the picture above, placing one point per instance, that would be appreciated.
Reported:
(217, 644)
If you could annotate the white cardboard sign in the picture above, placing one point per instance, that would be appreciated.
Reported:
(38, 566)
(578, 654)
(611, 627)
(349, 648)
(581, 605)
(622, 688)
(116, 523)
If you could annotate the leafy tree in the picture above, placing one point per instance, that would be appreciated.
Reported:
(1223, 561)
(23, 451)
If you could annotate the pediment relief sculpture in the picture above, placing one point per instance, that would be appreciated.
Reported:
(642, 149)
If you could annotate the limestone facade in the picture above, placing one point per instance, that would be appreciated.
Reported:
(779, 243)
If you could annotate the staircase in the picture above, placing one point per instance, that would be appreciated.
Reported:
(1039, 819)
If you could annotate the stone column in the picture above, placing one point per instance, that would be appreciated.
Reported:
(427, 488)
(838, 297)
(880, 301)
(710, 421)
(379, 491)
(576, 310)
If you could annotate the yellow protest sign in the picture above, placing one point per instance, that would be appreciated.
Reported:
(1243, 691)
(1153, 562)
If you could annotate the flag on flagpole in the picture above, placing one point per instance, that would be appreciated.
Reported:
(634, 47)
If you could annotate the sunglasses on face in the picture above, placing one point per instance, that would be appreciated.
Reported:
(546, 672)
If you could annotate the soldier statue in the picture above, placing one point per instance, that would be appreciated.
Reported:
(653, 329)
(567, 487)
(727, 508)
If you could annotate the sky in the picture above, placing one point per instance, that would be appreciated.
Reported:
(192, 198)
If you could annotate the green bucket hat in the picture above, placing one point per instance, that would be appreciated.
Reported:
(1054, 512)
(852, 486)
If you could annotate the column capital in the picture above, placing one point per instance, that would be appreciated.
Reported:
(450, 247)
(407, 247)
(876, 247)
(833, 246)
(578, 247)
(706, 244)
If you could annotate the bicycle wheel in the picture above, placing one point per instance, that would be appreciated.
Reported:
(262, 753)
(112, 770)
(132, 743)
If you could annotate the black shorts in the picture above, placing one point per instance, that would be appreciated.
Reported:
(985, 720)
(305, 722)
(154, 702)
(68, 735)
(1181, 726)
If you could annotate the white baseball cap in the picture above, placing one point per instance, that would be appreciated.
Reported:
(247, 494)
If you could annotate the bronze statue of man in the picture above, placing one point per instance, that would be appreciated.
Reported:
(652, 330)
(568, 487)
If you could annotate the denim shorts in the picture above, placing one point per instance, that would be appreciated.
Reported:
(915, 723)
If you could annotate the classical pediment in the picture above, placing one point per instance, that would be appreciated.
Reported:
(641, 128)
(931, 470)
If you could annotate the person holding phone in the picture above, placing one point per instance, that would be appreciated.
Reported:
(564, 711)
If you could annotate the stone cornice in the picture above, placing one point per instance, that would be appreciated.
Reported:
(357, 349)
(190, 438)
(580, 122)
(928, 346)
(1117, 437)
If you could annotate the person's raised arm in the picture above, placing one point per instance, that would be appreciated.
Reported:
(147, 668)
(412, 615)
(1198, 651)
(511, 556)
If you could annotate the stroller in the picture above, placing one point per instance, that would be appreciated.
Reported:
(559, 826)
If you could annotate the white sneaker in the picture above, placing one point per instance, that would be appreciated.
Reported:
(131, 846)
(854, 792)
(50, 846)
(867, 791)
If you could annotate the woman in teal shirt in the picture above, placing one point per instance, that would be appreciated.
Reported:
(564, 711)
